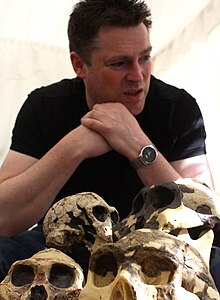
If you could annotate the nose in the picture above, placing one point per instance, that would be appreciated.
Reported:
(135, 72)
(38, 293)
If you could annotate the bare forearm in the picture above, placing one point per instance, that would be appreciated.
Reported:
(159, 172)
(28, 195)
(27, 192)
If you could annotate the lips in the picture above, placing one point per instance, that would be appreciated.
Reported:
(133, 92)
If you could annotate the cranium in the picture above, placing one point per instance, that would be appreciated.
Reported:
(167, 208)
(148, 264)
(79, 219)
(47, 275)
(199, 197)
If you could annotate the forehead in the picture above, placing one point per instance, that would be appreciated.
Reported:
(114, 40)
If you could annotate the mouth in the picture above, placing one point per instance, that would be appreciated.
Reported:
(133, 94)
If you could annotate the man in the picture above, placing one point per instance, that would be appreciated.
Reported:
(86, 134)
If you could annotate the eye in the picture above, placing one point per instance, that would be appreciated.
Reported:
(145, 58)
(22, 275)
(61, 276)
(117, 65)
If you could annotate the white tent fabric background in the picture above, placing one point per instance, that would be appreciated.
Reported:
(185, 37)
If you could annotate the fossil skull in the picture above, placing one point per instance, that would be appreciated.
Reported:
(47, 275)
(198, 196)
(148, 264)
(177, 209)
(79, 219)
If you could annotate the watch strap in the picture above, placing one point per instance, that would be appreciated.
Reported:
(137, 163)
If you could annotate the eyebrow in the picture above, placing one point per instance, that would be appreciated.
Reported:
(149, 49)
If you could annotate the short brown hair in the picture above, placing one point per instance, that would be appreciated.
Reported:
(88, 16)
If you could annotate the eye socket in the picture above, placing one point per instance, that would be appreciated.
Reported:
(105, 270)
(61, 276)
(157, 270)
(162, 196)
(22, 275)
(100, 213)
(114, 218)
(138, 201)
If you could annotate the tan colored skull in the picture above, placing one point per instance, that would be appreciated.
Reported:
(47, 275)
(148, 264)
(163, 207)
(199, 197)
(79, 219)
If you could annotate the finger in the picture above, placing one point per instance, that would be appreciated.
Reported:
(92, 123)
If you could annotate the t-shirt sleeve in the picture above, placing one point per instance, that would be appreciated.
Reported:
(188, 128)
(28, 135)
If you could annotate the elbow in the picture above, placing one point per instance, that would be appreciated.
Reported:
(10, 230)
(5, 234)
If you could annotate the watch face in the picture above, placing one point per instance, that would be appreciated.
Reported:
(149, 154)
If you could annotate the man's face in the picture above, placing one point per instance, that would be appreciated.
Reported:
(120, 68)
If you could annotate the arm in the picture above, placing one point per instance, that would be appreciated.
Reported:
(195, 167)
(28, 186)
(115, 123)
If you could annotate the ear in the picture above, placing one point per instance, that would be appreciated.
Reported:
(78, 64)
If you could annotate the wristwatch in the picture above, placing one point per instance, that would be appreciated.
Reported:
(148, 155)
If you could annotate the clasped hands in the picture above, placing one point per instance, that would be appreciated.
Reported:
(117, 126)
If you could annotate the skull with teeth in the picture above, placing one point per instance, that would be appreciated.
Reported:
(161, 250)
(186, 210)
(84, 218)
(148, 264)
(47, 275)
(179, 208)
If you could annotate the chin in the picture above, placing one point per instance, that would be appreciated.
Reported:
(135, 112)
(136, 109)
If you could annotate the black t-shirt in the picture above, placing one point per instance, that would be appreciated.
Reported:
(171, 118)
